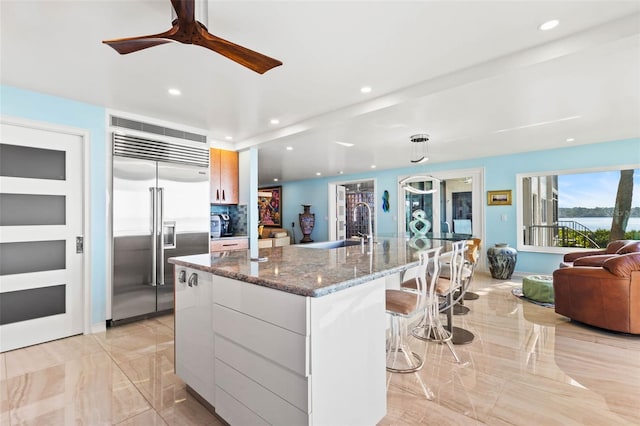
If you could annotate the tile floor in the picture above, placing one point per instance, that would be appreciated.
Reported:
(526, 366)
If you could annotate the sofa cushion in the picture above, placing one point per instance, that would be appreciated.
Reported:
(571, 257)
(596, 260)
(623, 265)
(616, 245)
(268, 232)
(630, 247)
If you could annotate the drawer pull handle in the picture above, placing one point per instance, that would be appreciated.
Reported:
(193, 280)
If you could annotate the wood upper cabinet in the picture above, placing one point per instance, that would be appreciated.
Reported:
(224, 176)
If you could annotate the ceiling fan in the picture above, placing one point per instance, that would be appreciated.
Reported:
(185, 29)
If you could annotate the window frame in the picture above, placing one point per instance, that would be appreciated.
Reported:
(519, 207)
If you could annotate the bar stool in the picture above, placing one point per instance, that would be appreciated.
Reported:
(402, 305)
(471, 260)
(473, 257)
(440, 299)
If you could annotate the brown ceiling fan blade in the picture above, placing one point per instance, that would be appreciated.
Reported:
(253, 60)
(134, 44)
(185, 9)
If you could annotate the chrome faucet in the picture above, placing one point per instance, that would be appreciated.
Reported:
(369, 227)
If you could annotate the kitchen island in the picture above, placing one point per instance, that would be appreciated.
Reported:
(296, 339)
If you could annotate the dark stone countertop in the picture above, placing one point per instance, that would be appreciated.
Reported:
(309, 271)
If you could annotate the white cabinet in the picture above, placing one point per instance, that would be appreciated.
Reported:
(194, 330)
(265, 356)
(294, 360)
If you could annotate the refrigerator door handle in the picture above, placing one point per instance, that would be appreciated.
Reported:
(154, 236)
(161, 226)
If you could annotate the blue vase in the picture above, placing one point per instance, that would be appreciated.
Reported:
(502, 260)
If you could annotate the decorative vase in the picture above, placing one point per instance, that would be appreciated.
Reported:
(502, 260)
(307, 221)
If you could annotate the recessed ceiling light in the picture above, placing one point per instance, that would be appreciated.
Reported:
(275, 179)
(274, 121)
(340, 172)
(289, 148)
(365, 89)
(549, 25)
(174, 92)
(318, 174)
(373, 166)
(570, 139)
(347, 144)
(228, 138)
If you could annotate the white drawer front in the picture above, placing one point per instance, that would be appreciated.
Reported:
(277, 307)
(269, 406)
(279, 380)
(275, 343)
(235, 413)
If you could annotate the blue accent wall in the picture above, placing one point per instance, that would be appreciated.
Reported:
(43, 108)
(500, 173)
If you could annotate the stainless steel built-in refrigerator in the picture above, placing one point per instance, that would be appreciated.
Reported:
(160, 209)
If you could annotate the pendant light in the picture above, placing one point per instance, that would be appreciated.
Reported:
(419, 152)
(406, 184)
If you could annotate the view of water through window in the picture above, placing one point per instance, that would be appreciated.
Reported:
(580, 209)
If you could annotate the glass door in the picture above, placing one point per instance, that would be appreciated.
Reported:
(415, 201)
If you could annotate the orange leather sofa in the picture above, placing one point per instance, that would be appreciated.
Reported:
(606, 296)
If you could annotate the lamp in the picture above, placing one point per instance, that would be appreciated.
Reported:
(419, 148)
(405, 183)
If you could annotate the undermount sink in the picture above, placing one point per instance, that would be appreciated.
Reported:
(332, 244)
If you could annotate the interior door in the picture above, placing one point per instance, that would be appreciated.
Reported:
(341, 212)
(428, 203)
(41, 215)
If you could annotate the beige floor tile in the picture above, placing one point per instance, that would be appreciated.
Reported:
(187, 411)
(38, 357)
(4, 403)
(148, 418)
(147, 327)
(3, 367)
(128, 347)
(167, 320)
(87, 390)
(153, 375)
(526, 366)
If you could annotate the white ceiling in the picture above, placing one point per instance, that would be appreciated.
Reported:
(477, 76)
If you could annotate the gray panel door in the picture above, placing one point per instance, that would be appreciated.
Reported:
(41, 214)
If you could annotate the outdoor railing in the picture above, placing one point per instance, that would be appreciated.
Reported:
(565, 233)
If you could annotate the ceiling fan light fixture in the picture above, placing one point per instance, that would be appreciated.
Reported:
(186, 29)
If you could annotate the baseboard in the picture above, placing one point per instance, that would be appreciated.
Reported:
(99, 327)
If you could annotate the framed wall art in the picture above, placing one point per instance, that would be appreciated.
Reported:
(270, 206)
(499, 198)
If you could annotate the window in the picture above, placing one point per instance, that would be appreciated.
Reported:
(578, 209)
